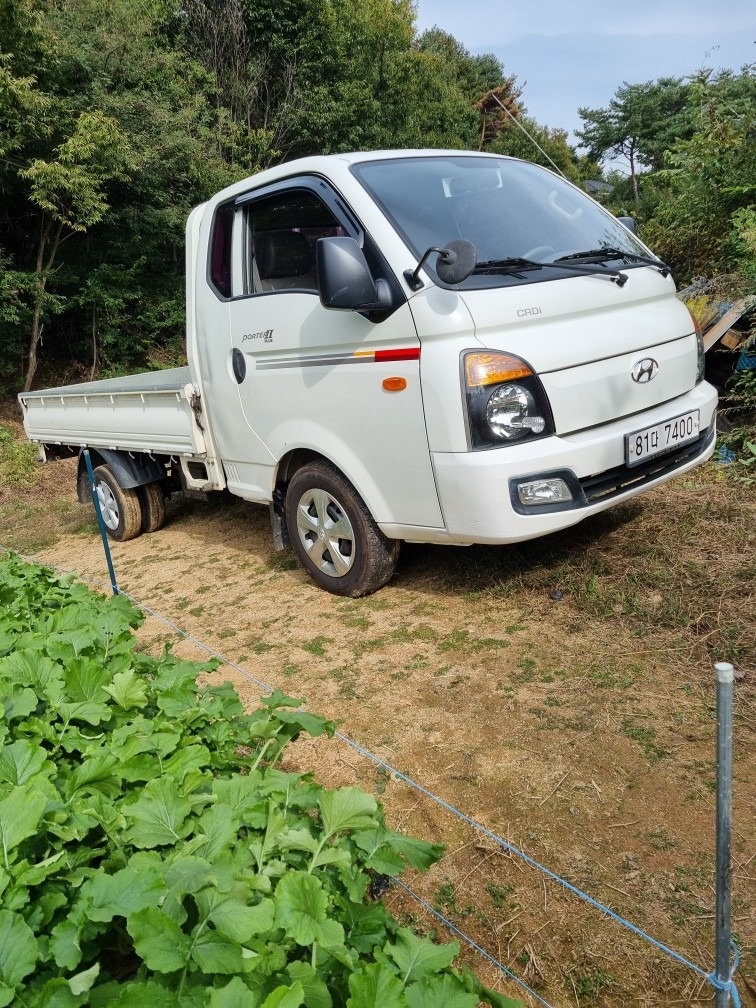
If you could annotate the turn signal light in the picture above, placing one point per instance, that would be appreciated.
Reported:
(493, 368)
(395, 384)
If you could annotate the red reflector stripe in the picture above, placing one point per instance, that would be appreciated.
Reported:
(412, 353)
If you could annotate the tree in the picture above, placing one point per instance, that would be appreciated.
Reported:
(69, 191)
(376, 87)
(481, 81)
(22, 109)
(473, 75)
(356, 83)
(93, 206)
(259, 57)
(641, 123)
(22, 120)
(704, 217)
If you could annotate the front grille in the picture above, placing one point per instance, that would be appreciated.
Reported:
(616, 481)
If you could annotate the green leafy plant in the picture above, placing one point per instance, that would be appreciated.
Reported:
(741, 413)
(154, 852)
(747, 462)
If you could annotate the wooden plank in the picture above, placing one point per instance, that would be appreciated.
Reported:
(717, 331)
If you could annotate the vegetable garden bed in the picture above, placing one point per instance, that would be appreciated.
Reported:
(155, 852)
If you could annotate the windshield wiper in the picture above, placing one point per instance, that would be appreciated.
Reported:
(513, 265)
(519, 265)
(604, 254)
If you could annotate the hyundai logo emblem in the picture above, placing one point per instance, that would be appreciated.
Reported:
(644, 370)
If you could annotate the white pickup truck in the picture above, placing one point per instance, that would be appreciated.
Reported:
(430, 346)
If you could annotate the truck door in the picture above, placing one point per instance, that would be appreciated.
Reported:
(309, 377)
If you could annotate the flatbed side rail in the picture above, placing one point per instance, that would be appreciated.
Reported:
(159, 421)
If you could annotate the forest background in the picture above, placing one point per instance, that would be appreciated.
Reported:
(117, 117)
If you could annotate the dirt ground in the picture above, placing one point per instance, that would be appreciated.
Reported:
(564, 704)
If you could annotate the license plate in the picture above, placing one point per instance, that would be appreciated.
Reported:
(662, 437)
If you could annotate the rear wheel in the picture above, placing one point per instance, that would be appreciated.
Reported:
(120, 508)
(152, 502)
(334, 535)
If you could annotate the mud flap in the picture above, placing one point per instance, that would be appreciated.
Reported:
(281, 539)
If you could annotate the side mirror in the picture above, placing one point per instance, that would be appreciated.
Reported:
(629, 223)
(456, 261)
(344, 278)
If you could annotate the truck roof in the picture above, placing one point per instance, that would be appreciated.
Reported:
(335, 166)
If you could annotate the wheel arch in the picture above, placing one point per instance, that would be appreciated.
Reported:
(355, 472)
(129, 470)
(295, 459)
(397, 487)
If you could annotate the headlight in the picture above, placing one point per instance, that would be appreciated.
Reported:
(700, 351)
(511, 413)
(506, 402)
(701, 358)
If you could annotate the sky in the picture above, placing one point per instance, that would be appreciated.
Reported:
(568, 54)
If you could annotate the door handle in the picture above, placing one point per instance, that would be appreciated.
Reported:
(238, 365)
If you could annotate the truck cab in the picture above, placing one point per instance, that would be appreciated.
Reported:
(475, 350)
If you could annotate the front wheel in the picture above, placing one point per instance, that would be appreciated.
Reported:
(334, 535)
(120, 508)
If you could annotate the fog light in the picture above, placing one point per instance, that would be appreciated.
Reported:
(543, 491)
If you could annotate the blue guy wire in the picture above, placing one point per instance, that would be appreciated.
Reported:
(100, 520)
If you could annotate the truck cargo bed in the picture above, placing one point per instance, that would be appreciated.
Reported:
(149, 412)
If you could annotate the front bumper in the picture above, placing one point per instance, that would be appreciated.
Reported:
(477, 490)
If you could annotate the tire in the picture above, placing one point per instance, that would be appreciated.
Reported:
(152, 503)
(333, 534)
(120, 508)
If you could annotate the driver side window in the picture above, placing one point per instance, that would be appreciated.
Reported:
(281, 233)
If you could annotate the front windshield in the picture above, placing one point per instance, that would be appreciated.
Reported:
(508, 209)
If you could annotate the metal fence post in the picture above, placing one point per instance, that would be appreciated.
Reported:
(725, 676)
(100, 520)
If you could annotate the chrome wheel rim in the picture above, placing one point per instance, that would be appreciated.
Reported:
(108, 506)
(325, 532)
